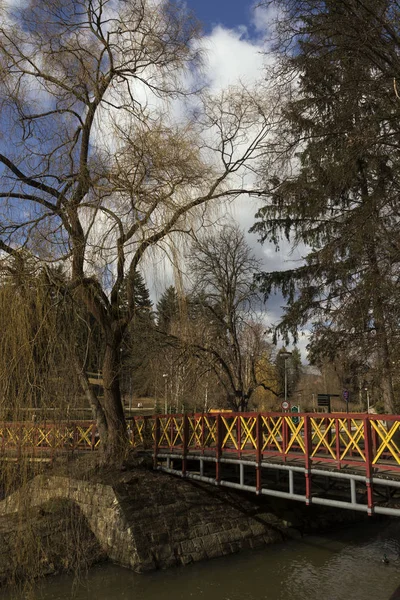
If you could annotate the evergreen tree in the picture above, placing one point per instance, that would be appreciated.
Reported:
(341, 129)
(167, 309)
(139, 342)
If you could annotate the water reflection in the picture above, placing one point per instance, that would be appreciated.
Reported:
(346, 565)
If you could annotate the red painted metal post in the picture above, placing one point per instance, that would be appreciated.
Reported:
(53, 445)
(337, 426)
(35, 440)
(203, 438)
(374, 437)
(218, 448)
(185, 443)
(368, 465)
(156, 440)
(3, 439)
(19, 434)
(258, 453)
(308, 449)
(239, 435)
(285, 436)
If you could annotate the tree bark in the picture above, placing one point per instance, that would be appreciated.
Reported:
(115, 444)
(94, 403)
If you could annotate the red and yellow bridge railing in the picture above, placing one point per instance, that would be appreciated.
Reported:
(356, 439)
(27, 438)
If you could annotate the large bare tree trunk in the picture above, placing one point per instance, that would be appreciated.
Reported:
(94, 402)
(115, 444)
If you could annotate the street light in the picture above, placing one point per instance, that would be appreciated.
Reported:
(367, 390)
(165, 375)
(285, 356)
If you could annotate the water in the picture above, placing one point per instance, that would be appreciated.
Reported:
(346, 565)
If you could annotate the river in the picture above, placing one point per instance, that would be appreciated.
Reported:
(345, 565)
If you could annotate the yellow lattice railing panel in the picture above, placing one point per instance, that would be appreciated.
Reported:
(28, 436)
(320, 432)
(296, 436)
(386, 438)
(353, 430)
(229, 432)
(136, 432)
(248, 432)
(273, 434)
(195, 432)
(177, 431)
(44, 437)
(84, 436)
(11, 436)
(210, 431)
(165, 432)
(64, 438)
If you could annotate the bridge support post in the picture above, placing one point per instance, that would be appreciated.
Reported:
(218, 449)
(203, 435)
(285, 436)
(259, 441)
(156, 440)
(353, 491)
(308, 451)
(185, 444)
(337, 427)
(291, 482)
(368, 465)
(239, 435)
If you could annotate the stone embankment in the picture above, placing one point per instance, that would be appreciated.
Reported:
(149, 520)
(142, 520)
(44, 540)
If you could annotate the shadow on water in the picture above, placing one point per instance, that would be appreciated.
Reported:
(346, 565)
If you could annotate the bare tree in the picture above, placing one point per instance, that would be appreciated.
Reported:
(94, 175)
(227, 335)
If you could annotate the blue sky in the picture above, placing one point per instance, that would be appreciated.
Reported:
(229, 13)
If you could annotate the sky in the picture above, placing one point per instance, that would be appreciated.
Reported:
(234, 37)
(229, 13)
(234, 44)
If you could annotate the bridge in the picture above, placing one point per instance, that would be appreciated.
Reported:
(349, 461)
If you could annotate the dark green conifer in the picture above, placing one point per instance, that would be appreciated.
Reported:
(335, 195)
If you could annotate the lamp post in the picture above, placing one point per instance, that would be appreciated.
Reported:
(367, 391)
(285, 355)
(165, 375)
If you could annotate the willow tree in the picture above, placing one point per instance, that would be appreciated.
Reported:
(42, 337)
(335, 194)
(95, 171)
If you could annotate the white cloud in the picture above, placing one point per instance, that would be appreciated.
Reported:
(231, 57)
(263, 17)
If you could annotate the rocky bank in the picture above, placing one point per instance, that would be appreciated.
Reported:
(140, 519)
